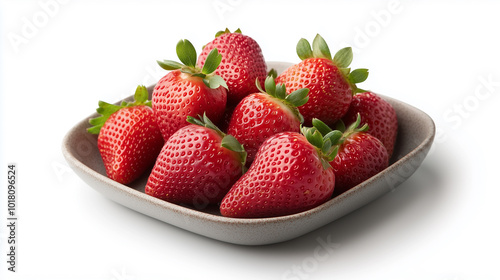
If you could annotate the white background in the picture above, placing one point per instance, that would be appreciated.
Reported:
(59, 58)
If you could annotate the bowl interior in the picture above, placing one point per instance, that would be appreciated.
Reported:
(415, 136)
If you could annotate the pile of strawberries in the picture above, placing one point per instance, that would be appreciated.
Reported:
(222, 129)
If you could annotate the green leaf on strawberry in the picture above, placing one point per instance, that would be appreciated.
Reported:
(214, 81)
(353, 128)
(273, 73)
(226, 31)
(169, 65)
(187, 55)
(323, 143)
(296, 98)
(293, 100)
(342, 59)
(304, 50)
(212, 62)
(205, 122)
(358, 75)
(320, 48)
(341, 133)
(106, 109)
(231, 143)
(269, 85)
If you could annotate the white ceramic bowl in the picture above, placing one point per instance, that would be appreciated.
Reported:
(415, 136)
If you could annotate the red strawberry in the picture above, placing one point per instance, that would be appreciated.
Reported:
(197, 165)
(378, 114)
(188, 90)
(359, 156)
(261, 115)
(129, 138)
(242, 63)
(330, 82)
(289, 175)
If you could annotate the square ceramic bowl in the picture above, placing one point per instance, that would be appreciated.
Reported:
(415, 136)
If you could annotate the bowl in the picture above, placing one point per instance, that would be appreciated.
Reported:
(415, 137)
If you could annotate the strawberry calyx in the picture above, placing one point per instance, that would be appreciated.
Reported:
(327, 140)
(354, 128)
(323, 143)
(187, 55)
(220, 32)
(355, 77)
(226, 31)
(292, 101)
(342, 59)
(341, 132)
(106, 109)
(272, 73)
(228, 141)
(319, 49)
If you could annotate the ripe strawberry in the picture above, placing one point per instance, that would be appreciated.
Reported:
(129, 138)
(197, 165)
(359, 156)
(242, 63)
(261, 115)
(330, 82)
(378, 114)
(289, 175)
(188, 90)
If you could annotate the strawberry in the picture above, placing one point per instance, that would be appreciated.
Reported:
(242, 63)
(330, 81)
(129, 138)
(378, 114)
(197, 165)
(359, 155)
(289, 175)
(261, 115)
(188, 90)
